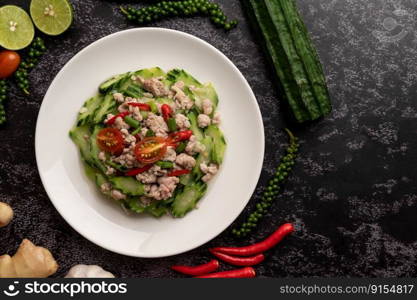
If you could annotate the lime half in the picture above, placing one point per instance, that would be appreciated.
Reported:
(16, 28)
(52, 17)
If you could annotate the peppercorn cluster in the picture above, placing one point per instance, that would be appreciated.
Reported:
(36, 50)
(273, 188)
(3, 97)
(186, 8)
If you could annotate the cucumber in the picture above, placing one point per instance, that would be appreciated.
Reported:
(296, 65)
(219, 143)
(112, 82)
(186, 179)
(165, 101)
(307, 53)
(128, 185)
(206, 92)
(260, 17)
(134, 204)
(156, 209)
(100, 179)
(133, 90)
(106, 107)
(89, 108)
(176, 75)
(94, 150)
(150, 73)
(188, 198)
(192, 116)
(81, 137)
(203, 157)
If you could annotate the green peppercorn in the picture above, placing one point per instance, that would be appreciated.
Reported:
(273, 187)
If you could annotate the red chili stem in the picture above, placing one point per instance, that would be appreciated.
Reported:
(247, 272)
(203, 269)
(178, 173)
(239, 261)
(113, 119)
(142, 106)
(137, 171)
(260, 247)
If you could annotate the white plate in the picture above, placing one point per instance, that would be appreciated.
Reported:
(101, 220)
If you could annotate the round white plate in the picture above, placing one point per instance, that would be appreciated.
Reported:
(100, 219)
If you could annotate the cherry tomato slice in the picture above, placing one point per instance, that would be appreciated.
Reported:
(9, 62)
(151, 149)
(110, 140)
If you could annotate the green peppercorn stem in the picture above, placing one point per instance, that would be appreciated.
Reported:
(36, 50)
(273, 188)
(3, 97)
(180, 8)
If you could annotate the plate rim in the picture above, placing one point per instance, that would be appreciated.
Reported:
(258, 118)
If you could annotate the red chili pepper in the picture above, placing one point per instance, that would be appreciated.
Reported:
(239, 261)
(203, 269)
(180, 136)
(247, 272)
(260, 247)
(137, 171)
(113, 119)
(178, 173)
(142, 106)
(166, 111)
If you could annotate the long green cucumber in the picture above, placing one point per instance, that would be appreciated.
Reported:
(307, 53)
(296, 64)
(258, 11)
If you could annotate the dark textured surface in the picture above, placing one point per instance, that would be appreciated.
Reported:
(353, 193)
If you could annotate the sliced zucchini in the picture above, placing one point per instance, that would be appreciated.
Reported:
(112, 82)
(219, 143)
(192, 116)
(188, 198)
(128, 185)
(106, 107)
(81, 137)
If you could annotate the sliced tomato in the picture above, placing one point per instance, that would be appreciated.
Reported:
(151, 149)
(110, 140)
(9, 62)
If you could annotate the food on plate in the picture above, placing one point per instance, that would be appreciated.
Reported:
(30, 261)
(179, 8)
(88, 271)
(247, 272)
(6, 214)
(16, 28)
(293, 56)
(9, 62)
(52, 17)
(36, 50)
(203, 269)
(272, 189)
(151, 140)
(259, 247)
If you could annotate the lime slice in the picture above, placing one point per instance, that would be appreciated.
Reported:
(52, 17)
(16, 28)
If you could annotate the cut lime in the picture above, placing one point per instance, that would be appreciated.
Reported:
(52, 17)
(16, 28)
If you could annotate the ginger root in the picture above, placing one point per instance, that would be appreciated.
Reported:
(30, 261)
(6, 214)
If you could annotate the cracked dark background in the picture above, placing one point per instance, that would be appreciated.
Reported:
(353, 192)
